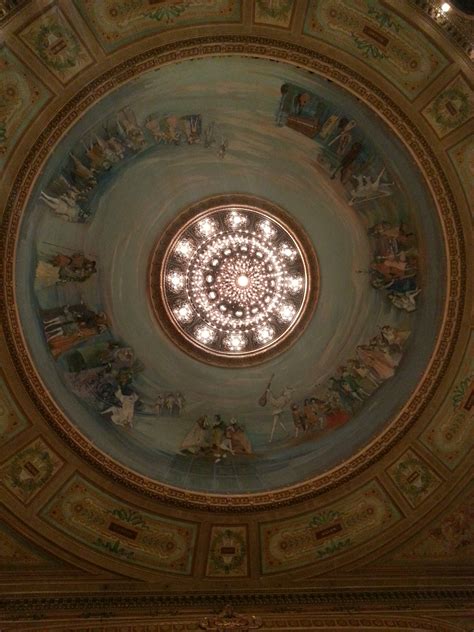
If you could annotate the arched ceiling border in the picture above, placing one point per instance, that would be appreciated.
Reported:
(399, 122)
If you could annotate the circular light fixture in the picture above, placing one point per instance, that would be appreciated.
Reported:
(233, 280)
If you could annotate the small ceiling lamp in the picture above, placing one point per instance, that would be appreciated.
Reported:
(445, 7)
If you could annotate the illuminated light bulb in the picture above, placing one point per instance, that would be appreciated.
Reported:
(445, 7)
(265, 334)
(286, 312)
(206, 227)
(288, 252)
(266, 228)
(235, 342)
(295, 284)
(205, 334)
(236, 220)
(184, 313)
(176, 281)
(185, 248)
(242, 280)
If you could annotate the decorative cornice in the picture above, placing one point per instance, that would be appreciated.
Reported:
(159, 604)
(457, 27)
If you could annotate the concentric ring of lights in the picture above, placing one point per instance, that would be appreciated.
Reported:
(234, 281)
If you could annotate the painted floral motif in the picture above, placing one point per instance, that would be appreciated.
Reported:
(21, 97)
(274, 12)
(451, 538)
(463, 394)
(462, 157)
(228, 552)
(450, 436)
(11, 421)
(110, 526)
(170, 11)
(17, 554)
(52, 38)
(389, 44)
(28, 471)
(117, 22)
(451, 108)
(304, 539)
(414, 478)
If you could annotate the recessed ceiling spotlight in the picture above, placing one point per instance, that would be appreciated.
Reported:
(445, 7)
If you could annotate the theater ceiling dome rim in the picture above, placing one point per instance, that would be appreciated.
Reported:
(298, 492)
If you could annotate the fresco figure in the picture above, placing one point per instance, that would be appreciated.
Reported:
(130, 130)
(223, 146)
(82, 175)
(405, 301)
(367, 378)
(299, 420)
(344, 137)
(61, 187)
(64, 268)
(328, 126)
(193, 128)
(347, 161)
(310, 414)
(346, 395)
(336, 414)
(225, 445)
(347, 390)
(109, 354)
(101, 374)
(66, 326)
(240, 442)
(209, 135)
(197, 439)
(319, 409)
(169, 404)
(379, 361)
(63, 207)
(281, 113)
(122, 413)
(369, 189)
(279, 404)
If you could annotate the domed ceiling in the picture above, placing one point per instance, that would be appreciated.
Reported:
(131, 165)
(235, 289)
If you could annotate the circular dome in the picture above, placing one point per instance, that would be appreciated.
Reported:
(139, 337)
(233, 284)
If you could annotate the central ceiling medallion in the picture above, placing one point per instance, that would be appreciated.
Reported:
(233, 280)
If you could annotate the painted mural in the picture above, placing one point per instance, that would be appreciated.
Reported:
(116, 23)
(116, 181)
(317, 536)
(449, 538)
(274, 12)
(369, 30)
(450, 435)
(22, 96)
(12, 421)
(29, 470)
(120, 531)
(51, 37)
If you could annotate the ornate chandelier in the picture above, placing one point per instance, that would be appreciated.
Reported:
(232, 281)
